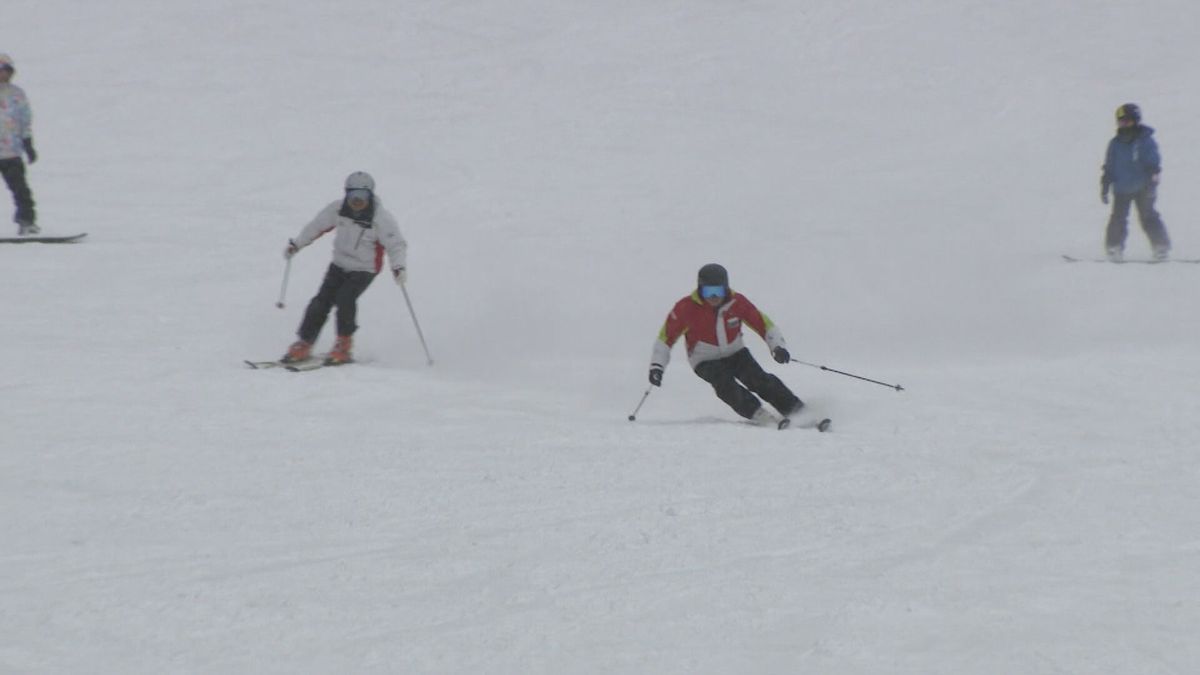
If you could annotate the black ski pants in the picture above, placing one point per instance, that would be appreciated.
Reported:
(1151, 222)
(14, 176)
(339, 289)
(736, 376)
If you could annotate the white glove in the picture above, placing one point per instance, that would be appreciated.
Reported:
(290, 250)
(401, 276)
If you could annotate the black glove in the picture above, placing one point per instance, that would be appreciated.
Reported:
(781, 355)
(29, 151)
(656, 372)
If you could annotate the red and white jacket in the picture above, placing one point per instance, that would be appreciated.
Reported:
(357, 248)
(712, 333)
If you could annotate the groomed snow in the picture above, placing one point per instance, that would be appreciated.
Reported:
(893, 183)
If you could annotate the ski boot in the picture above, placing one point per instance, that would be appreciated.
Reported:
(299, 351)
(765, 418)
(790, 416)
(341, 351)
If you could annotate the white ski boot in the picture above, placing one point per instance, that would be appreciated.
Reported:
(765, 418)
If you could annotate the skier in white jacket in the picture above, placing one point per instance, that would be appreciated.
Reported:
(363, 232)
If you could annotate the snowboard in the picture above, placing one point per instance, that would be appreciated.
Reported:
(40, 239)
(1132, 261)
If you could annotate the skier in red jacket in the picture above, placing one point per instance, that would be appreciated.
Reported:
(710, 321)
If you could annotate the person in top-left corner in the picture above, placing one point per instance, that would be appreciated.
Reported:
(16, 138)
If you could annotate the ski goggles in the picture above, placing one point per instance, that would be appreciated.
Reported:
(707, 292)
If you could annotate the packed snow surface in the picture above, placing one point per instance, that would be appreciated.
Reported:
(892, 182)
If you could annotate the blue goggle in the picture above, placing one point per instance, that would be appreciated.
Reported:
(712, 292)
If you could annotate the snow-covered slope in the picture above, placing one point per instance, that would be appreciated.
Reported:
(892, 182)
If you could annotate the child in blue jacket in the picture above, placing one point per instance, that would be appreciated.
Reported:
(1132, 166)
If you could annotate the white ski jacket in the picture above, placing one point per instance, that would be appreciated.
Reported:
(357, 248)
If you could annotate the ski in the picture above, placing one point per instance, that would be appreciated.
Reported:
(264, 365)
(803, 418)
(39, 239)
(314, 364)
(1131, 261)
(295, 366)
(304, 366)
(822, 425)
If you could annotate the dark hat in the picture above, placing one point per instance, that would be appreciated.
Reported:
(712, 274)
(1129, 111)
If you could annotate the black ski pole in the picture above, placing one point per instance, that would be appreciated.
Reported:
(633, 415)
(857, 377)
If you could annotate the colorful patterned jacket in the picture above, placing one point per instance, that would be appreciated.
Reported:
(16, 120)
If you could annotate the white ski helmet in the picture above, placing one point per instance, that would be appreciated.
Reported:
(360, 180)
(7, 62)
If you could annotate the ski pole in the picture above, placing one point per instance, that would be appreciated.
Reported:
(287, 269)
(633, 415)
(857, 377)
(428, 356)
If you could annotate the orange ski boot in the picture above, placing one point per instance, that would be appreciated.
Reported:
(299, 351)
(341, 351)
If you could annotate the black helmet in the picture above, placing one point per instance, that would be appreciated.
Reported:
(1129, 111)
(712, 274)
